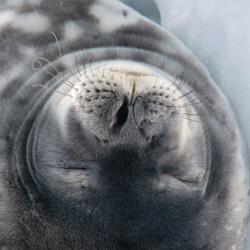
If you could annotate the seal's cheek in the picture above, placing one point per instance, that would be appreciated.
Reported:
(70, 180)
(189, 163)
(66, 168)
(183, 159)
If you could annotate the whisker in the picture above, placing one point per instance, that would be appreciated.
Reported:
(39, 62)
(93, 72)
(57, 43)
(198, 115)
(89, 62)
(190, 104)
(60, 52)
(77, 66)
(66, 82)
(59, 92)
(85, 71)
(188, 93)
(187, 118)
(176, 83)
(40, 85)
(103, 73)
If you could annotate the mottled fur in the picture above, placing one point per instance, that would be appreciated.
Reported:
(120, 202)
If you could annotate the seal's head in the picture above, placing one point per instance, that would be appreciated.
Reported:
(121, 152)
(112, 135)
(122, 106)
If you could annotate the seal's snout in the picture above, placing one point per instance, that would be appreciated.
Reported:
(126, 103)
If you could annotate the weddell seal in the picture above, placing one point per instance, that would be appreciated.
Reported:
(112, 135)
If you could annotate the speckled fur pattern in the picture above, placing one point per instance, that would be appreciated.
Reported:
(76, 174)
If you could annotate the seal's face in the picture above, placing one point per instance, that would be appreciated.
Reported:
(131, 106)
(115, 153)
(114, 137)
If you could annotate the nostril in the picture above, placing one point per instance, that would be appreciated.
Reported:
(121, 116)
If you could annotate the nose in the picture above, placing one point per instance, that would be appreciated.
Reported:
(134, 121)
(120, 115)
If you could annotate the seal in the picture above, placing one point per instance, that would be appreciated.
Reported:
(112, 135)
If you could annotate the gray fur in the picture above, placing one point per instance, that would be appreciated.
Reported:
(113, 175)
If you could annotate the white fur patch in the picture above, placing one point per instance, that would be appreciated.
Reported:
(69, 62)
(110, 17)
(3, 83)
(31, 23)
(16, 3)
(13, 72)
(28, 52)
(6, 17)
(72, 31)
(28, 23)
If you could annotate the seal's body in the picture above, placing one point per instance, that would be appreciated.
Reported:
(112, 135)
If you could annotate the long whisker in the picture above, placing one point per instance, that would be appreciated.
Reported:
(187, 118)
(189, 104)
(77, 67)
(57, 43)
(66, 82)
(37, 64)
(198, 115)
(188, 93)
(59, 92)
